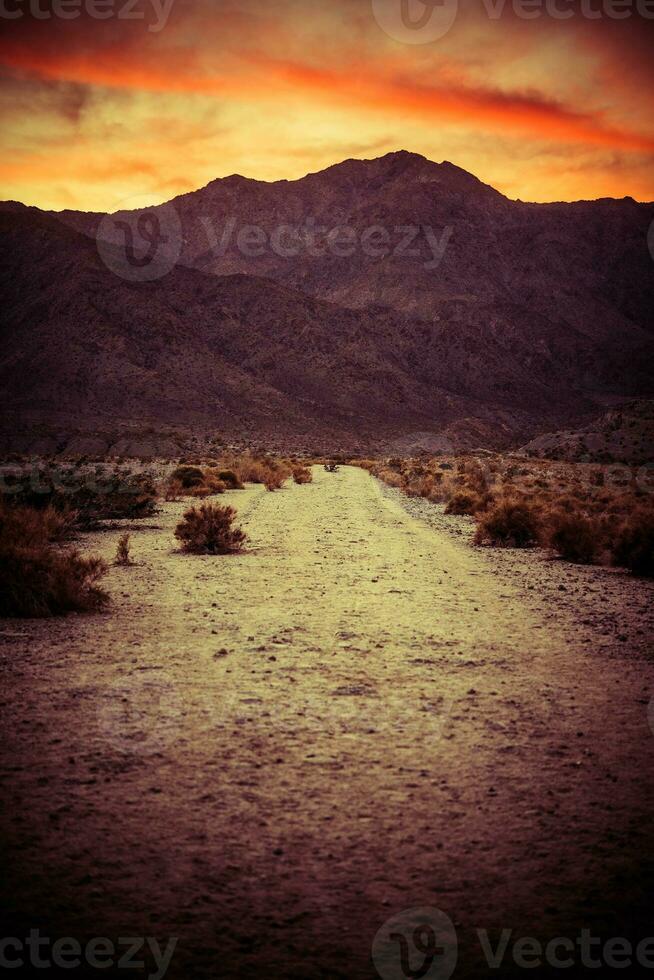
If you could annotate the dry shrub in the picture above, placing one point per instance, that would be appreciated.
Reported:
(207, 530)
(634, 544)
(174, 491)
(260, 470)
(573, 536)
(230, 479)
(421, 486)
(274, 481)
(475, 478)
(199, 493)
(51, 523)
(302, 474)
(212, 485)
(188, 476)
(38, 578)
(123, 550)
(464, 502)
(509, 523)
(391, 478)
(251, 470)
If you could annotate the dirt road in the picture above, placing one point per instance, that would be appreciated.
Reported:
(270, 755)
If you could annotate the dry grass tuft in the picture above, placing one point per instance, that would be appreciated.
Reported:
(123, 556)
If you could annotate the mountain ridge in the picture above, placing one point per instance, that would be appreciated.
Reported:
(528, 319)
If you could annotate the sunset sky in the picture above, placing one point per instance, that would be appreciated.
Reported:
(97, 111)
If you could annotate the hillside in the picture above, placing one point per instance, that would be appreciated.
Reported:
(511, 320)
(623, 434)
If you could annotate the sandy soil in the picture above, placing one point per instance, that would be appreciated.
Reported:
(269, 755)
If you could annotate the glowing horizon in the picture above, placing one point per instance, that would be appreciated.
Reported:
(95, 112)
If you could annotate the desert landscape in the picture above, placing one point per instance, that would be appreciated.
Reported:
(358, 705)
(326, 489)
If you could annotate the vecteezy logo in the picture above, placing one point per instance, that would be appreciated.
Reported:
(416, 944)
(650, 239)
(140, 243)
(415, 21)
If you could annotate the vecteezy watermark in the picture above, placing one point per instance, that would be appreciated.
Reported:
(565, 9)
(415, 21)
(422, 943)
(650, 240)
(419, 242)
(563, 952)
(100, 953)
(416, 943)
(139, 714)
(140, 243)
(37, 479)
(426, 21)
(154, 12)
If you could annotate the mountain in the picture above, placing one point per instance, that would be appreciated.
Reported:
(443, 306)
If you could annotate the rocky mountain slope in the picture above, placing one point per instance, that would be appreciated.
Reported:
(370, 301)
(623, 434)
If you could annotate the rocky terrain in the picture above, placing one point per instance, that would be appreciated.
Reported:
(624, 434)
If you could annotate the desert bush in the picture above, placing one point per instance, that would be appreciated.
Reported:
(274, 481)
(461, 502)
(302, 474)
(390, 478)
(174, 490)
(188, 476)
(250, 470)
(211, 484)
(475, 478)
(572, 535)
(634, 544)
(123, 556)
(230, 479)
(509, 523)
(39, 578)
(207, 530)
(464, 502)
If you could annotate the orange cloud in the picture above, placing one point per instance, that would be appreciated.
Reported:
(528, 113)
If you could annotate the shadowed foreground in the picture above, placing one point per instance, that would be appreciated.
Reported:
(271, 754)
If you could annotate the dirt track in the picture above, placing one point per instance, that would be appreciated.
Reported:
(271, 754)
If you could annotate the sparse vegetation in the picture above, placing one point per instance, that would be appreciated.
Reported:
(39, 577)
(207, 530)
(587, 514)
